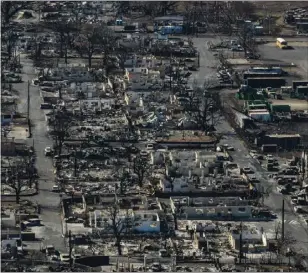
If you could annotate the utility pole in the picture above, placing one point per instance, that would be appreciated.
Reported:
(28, 108)
(70, 245)
(241, 242)
(171, 71)
(282, 229)
(60, 92)
(75, 163)
(198, 59)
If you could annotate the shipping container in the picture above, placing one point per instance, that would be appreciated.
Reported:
(280, 108)
(261, 74)
(278, 70)
(302, 90)
(265, 82)
(269, 148)
(251, 96)
(284, 141)
(298, 83)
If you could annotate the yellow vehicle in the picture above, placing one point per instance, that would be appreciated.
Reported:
(281, 43)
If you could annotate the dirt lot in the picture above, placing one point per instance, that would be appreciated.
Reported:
(294, 103)
(278, 6)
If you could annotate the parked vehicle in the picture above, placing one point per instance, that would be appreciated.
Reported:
(76, 256)
(46, 106)
(64, 257)
(247, 170)
(48, 151)
(50, 250)
(55, 188)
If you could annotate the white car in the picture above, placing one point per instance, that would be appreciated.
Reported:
(55, 188)
(64, 257)
(76, 256)
(48, 151)
(269, 156)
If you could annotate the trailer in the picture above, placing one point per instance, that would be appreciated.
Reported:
(265, 82)
(280, 108)
(295, 84)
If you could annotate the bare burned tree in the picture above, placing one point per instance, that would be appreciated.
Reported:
(203, 107)
(18, 177)
(157, 8)
(246, 38)
(166, 6)
(120, 225)
(122, 7)
(141, 168)
(122, 54)
(92, 38)
(243, 10)
(78, 15)
(61, 121)
(66, 31)
(125, 180)
(10, 38)
(191, 17)
(87, 41)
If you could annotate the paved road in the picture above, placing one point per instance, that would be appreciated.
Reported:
(293, 224)
(52, 230)
(208, 62)
(298, 56)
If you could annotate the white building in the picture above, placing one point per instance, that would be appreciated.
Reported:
(253, 240)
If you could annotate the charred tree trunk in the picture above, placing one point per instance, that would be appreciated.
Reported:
(175, 218)
(119, 247)
(90, 60)
(61, 45)
(17, 196)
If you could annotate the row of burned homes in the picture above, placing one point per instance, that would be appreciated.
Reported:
(137, 164)
(133, 157)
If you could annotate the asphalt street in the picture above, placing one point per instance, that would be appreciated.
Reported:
(50, 214)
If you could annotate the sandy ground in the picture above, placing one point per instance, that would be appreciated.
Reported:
(278, 6)
(294, 103)
(19, 132)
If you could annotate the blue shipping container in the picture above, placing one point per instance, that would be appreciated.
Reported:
(171, 30)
